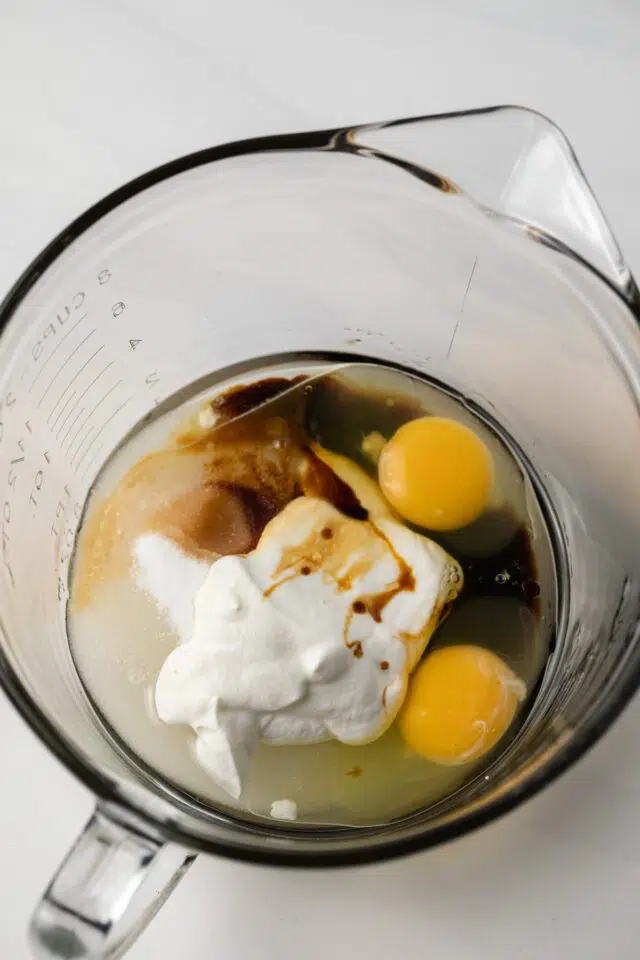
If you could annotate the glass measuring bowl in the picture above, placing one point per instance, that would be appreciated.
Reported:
(467, 247)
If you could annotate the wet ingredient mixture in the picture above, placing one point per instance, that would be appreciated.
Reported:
(353, 577)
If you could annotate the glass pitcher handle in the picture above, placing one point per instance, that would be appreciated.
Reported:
(111, 884)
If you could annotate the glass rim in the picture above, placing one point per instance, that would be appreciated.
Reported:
(105, 788)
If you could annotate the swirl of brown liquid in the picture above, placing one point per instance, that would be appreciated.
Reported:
(212, 490)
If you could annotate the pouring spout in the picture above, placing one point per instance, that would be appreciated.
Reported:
(515, 163)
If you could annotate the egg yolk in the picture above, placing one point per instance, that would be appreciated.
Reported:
(436, 473)
(461, 701)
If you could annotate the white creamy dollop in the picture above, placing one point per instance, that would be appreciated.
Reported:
(309, 637)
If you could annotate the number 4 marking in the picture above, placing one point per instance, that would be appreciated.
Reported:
(134, 343)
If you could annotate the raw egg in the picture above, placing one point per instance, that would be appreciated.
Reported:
(436, 473)
(461, 701)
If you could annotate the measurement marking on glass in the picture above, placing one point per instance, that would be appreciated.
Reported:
(105, 425)
(87, 436)
(55, 350)
(65, 421)
(77, 374)
(90, 462)
(464, 300)
(72, 425)
(88, 387)
(62, 366)
(91, 413)
(76, 435)
(68, 401)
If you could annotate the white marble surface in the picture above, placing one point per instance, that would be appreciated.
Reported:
(92, 93)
